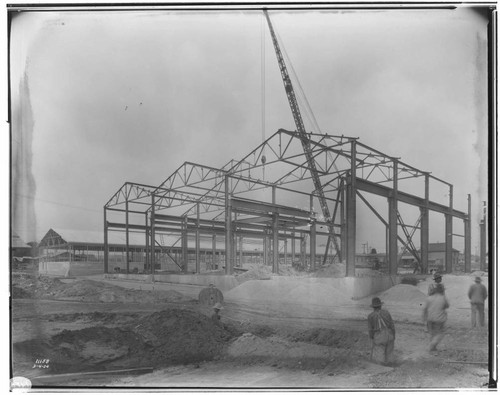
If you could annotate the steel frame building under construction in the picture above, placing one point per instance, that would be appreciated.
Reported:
(269, 197)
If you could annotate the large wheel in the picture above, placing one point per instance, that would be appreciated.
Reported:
(210, 296)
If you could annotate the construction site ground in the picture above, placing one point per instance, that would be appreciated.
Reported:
(90, 332)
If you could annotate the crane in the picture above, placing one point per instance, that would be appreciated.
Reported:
(304, 138)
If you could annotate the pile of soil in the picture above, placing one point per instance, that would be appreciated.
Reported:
(29, 286)
(291, 354)
(403, 294)
(169, 337)
(333, 338)
(305, 291)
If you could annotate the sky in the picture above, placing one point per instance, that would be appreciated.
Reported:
(101, 98)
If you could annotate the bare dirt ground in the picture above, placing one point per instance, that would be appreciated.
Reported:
(61, 329)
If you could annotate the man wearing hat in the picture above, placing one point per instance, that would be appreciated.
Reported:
(435, 314)
(215, 316)
(477, 296)
(437, 280)
(382, 333)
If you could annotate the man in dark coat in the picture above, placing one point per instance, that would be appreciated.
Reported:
(477, 296)
(382, 333)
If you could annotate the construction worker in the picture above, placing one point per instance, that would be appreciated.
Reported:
(382, 333)
(477, 295)
(216, 316)
(435, 315)
(437, 280)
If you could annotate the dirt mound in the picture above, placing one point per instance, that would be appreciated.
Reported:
(403, 294)
(255, 272)
(298, 291)
(173, 336)
(27, 285)
(30, 286)
(331, 270)
(332, 338)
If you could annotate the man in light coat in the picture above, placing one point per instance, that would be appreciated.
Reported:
(436, 316)
(477, 295)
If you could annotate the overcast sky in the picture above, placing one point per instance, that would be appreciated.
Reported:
(100, 98)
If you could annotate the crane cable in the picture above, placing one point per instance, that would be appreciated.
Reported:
(263, 92)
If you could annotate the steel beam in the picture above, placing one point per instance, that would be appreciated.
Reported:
(229, 226)
(153, 237)
(448, 243)
(393, 223)
(312, 246)
(127, 237)
(275, 245)
(467, 234)
(407, 198)
(424, 229)
(351, 215)
(106, 247)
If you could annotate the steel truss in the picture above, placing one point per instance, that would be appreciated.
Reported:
(272, 199)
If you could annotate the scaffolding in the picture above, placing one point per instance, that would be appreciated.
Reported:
(270, 203)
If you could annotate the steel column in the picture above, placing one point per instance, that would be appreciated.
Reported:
(303, 249)
(482, 240)
(449, 236)
(393, 222)
(312, 245)
(293, 247)
(127, 238)
(285, 249)
(146, 250)
(229, 227)
(153, 236)
(197, 238)
(106, 247)
(214, 250)
(275, 244)
(184, 244)
(343, 235)
(351, 216)
(448, 243)
(424, 230)
(467, 241)
(264, 247)
(240, 245)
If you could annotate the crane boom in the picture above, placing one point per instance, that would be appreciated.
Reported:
(304, 138)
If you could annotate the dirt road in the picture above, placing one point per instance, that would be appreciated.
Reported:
(259, 345)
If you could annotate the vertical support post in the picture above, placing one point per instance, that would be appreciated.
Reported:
(240, 242)
(275, 244)
(106, 247)
(343, 235)
(393, 222)
(127, 258)
(468, 237)
(153, 236)
(197, 238)
(482, 240)
(214, 250)
(449, 236)
(424, 230)
(264, 247)
(285, 249)
(303, 249)
(351, 215)
(229, 227)
(312, 245)
(184, 244)
(146, 251)
(293, 247)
